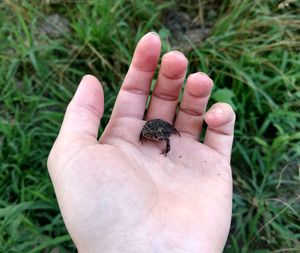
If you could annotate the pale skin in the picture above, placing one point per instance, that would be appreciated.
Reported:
(117, 195)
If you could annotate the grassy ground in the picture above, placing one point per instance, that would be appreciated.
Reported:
(253, 56)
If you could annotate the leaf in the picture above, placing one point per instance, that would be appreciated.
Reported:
(224, 95)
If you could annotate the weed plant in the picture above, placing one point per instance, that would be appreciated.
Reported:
(252, 53)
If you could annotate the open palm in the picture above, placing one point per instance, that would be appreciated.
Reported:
(117, 195)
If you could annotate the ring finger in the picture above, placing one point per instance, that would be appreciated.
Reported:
(192, 108)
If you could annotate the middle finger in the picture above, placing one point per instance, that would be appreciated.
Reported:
(164, 98)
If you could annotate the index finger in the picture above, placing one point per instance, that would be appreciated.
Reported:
(133, 95)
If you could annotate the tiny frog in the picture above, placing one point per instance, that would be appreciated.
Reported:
(158, 130)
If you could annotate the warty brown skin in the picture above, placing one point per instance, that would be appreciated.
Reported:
(158, 130)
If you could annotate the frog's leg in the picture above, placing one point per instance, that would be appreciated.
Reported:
(141, 139)
(168, 147)
(175, 131)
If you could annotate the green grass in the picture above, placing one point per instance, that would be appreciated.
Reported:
(253, 56)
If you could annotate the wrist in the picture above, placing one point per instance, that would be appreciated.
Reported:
(161, 242)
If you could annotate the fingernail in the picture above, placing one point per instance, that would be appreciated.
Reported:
(154, 33)
(202, 73)
(85, 77)
(217, 111)
(177, 52)
(149, 33)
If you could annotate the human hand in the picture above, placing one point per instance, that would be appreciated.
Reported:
(117, 195)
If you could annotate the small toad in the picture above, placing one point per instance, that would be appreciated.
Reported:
(158, 130)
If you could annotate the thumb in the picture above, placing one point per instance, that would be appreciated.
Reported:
(82, 117)
(80, 124)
